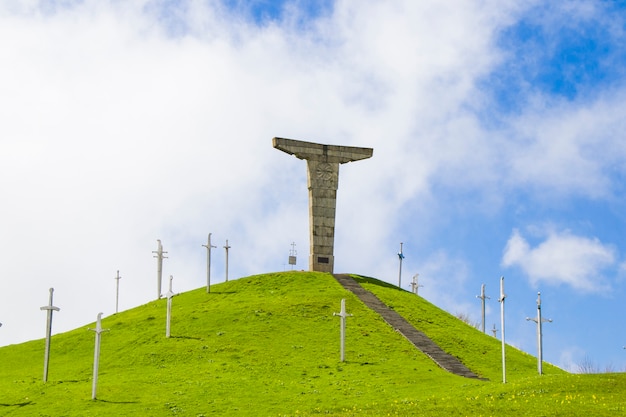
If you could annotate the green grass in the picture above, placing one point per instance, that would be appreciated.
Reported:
(268, 345)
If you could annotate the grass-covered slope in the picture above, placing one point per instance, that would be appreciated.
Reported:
(268, 345)
(480, 352)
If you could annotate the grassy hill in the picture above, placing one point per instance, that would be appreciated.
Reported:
(268, 345)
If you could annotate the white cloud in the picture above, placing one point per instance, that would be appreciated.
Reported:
(116, 133)
(558, 145)
(121, 125)
(565, 149)
(562, 258)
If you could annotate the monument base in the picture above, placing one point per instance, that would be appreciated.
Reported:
(321, 263)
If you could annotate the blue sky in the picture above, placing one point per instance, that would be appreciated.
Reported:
(496, 129)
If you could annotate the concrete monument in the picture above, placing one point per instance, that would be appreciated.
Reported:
(323, 180)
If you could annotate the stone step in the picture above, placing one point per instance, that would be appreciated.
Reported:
(395, 320)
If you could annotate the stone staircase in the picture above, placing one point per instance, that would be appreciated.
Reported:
(419, 339)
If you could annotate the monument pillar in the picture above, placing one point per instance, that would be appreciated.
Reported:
(322, 181)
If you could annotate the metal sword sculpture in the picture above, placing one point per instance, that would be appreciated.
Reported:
(539, 322)
(96, 354)
(208, 247)
(227, 247)
(49, 308)
(482, 298)
(117, 290)
(501, 301)
(169, 296)
(159, 255)
(342, 335)
(415, 285)
(401, 257)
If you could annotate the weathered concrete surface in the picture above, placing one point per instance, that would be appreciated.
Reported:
(419, 339)
(323, 181)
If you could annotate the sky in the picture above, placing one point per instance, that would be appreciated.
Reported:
(496, 126)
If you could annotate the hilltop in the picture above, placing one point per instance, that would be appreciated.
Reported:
(268, 345)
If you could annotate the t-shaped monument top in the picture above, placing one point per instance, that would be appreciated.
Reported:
(323, 180)
(319, 152)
